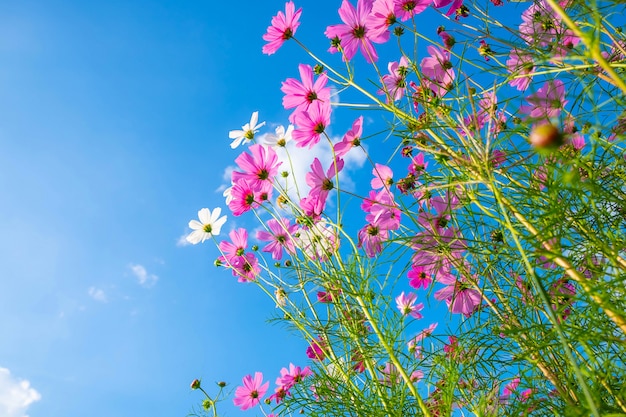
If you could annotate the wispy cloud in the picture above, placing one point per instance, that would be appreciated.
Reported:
(97, 294)
(144, 278)
(182, 240)
(16, 395)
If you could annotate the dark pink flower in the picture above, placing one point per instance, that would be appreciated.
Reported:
(443, 3)
(311, 124)
(283, 27)
(244, 197)
(356, 32)
(250, 394)
(419, 276)
(406, 9)
(259, 166)
(316, 349)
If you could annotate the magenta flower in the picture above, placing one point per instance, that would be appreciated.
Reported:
(391, 375)
(381, 17)
(250, 394)
(383, 177)
(406, 9)
(279, 236)
(356, 32)
(460, 296)
(321, 183)
(383, 210)
(419, 277)
(292, 376)
(316, 349)
(259, 166)
(547, 102)
(438, 70)
(311, 124)
(406, 305)
(522, 67)
(244, 197)
(395, 81)
(245, 266)
(372, 237)
(351, 139)
(283, 27)
(453, 8)
(301, 94)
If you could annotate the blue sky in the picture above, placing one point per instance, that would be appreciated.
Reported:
(114, 134)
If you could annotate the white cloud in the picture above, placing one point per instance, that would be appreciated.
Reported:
(16, 395)
(145, 279)
(97, 294)
(182, 240)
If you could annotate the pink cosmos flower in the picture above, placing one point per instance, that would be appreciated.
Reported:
(406, 305)
(245, 266)
(406, 9)
(391, 375)
(438, 70)
(250, 394)
(244, 197)
(259, 166)
(316, 349)
(280, 237)
(460, 296)
(280, 393)
(292, 376)
(453, 8)
(547, 102)
(509, 389)
(522, 67)
(383, 177)
(383, 210)
(283, 27)
(372, 237)
(311, 124)
(351, 139)
(382, 16)
(395, 81)
(301, 94)
(321, 183)
(356, 32)
(419, 276)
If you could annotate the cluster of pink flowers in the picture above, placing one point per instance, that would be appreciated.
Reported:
(253, 389)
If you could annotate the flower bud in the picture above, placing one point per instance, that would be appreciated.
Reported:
(195, 384)
(545, 135)
(221, 384)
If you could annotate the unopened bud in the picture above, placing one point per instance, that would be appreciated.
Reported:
(221, 384)
(195, 384)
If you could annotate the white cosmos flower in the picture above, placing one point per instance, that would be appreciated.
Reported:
(280, 138)
(247, 131)
(209, 225)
